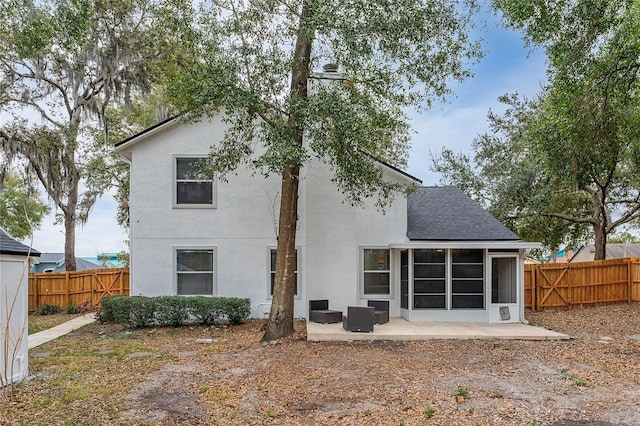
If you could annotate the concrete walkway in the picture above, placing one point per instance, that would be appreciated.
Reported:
(401, 329)
(37, 339)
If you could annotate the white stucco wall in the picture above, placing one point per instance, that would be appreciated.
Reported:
(14, 307)
(241, 228)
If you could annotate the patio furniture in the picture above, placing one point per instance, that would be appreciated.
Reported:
(359, 318)
(381, 310)
(319, 312)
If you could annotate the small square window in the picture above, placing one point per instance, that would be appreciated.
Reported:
(193, 186)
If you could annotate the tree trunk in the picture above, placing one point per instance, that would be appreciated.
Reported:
(70, 225)
(600, 242)
(280, 323)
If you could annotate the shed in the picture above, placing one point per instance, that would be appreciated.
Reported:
(14, 308)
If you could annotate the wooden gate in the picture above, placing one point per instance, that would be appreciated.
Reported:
(562, 285)
(66, 289)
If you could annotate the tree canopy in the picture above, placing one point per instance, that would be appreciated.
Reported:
(21, 209)
(573, 154)
(62, 63)
(257, 63)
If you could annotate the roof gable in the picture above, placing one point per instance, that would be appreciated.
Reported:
(448, 214)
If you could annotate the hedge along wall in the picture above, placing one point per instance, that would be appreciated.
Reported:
(142, 311)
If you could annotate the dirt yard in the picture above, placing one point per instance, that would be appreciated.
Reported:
(179, 376)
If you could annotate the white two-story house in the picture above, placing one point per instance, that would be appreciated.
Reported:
(435, 255)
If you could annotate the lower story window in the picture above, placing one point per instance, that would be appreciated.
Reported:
(195, 271)
(273, 258)
(376, 272)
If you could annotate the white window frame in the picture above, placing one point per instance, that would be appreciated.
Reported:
(214, 195)
(214, 272)
(298, 272)
(389, 271)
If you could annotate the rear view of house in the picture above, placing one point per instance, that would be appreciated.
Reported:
(435, 255)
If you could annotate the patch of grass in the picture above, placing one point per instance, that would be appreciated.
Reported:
(429, 412)
(39, 323)
(463, 391)
(576, 381)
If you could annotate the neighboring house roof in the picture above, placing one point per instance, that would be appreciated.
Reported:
(448, 214)
(616, 251)
(58, 264)
(9, 245)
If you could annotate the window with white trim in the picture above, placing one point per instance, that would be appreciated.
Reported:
(195, 271)
(193, 187)
(377, 272)
(273, 255)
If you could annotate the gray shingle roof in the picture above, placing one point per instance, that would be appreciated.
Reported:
(10, 246)
(448, 214)
(58, 259)
(618, 251)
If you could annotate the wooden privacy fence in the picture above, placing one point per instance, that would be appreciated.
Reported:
(66, 289)
(565, 285)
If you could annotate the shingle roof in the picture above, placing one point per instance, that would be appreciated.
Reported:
(58, 259)
(10, 246)
(448, 214)
(619, 251)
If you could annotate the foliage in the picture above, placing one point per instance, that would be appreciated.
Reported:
(65, 62)
(72, 309)
(257, 70)
(172, 311)
(623, 238)
(568, 161)
(506, 177)
(48, 309)
(21, 209)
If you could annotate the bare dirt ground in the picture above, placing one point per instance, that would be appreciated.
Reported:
(104, 374)
(594, 378)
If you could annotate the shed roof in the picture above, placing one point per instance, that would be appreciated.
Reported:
(9, 245)
(448, 214)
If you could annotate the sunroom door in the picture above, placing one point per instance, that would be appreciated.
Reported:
(503, 303)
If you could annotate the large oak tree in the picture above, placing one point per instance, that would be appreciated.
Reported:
(260, 70)
(62, 63)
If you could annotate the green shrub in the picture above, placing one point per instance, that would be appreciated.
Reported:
(171, 310)
(141, 311)
(71, 309)
(115, 309)
(236, 309)
(48, 310)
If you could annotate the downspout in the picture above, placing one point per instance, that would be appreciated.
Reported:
(523, 320)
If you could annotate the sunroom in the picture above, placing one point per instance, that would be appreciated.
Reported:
(460, 264)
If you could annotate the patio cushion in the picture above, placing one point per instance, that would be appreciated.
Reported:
(319, 312)
(381, 310)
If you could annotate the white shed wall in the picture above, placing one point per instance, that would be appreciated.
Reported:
(14, 307)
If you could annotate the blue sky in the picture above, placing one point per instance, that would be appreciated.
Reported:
(507, 67)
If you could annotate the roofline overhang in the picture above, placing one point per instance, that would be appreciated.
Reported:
(122, 147)
(510, 244)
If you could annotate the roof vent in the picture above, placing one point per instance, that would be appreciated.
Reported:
(330, 68)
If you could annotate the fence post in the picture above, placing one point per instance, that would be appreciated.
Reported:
(629, 279)
(534, 288)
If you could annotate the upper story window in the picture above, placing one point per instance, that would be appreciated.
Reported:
(193, 188)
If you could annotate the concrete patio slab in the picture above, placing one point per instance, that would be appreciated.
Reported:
(37, 339)
(401, 329)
